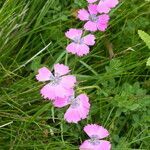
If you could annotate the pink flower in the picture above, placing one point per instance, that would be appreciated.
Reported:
(94, 21)
(60, 84)
(105, 6)
(61, 102)
(80, 45)
(95, 132)
(78, 109)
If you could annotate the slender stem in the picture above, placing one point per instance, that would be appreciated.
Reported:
(33, 57)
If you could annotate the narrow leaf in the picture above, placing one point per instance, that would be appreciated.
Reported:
(145, 37)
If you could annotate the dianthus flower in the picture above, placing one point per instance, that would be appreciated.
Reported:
(96, 133)
(104, 6)
(78, 109)
(60, 84)
(94, 21)
(80, 44)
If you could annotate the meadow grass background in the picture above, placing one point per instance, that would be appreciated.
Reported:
(118, 88)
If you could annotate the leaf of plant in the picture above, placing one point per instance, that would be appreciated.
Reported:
(148, 62)
(35, 65)
(145, 37)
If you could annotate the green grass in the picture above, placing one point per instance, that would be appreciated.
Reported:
(118, 88)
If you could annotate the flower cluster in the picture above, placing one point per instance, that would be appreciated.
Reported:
(60, 90)
(96, 18)
(59, 85)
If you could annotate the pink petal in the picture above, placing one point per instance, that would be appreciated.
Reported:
(82, 49)
(75, 114)
(94, 129)
(90, 26)
(54, 91)
(111, 3)
(43, 74)
(83, 15)
(73, 33)
(103, 145)
(103, 22)
(48, 92)
(102, 8)
(103, 19)
(86, 145)
(61, 91)
(84, 100)
(105, 6)
(79, 49)
(72, 116)
(102, 27)
(93, 9)
(71, 48)
(89, 39)
(91, 1)
(60, 102)
(68, 81)
(84, 107)
(61, 69)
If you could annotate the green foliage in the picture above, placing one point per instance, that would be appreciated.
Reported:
(145, 37)
(36, 64)
(118, 88)
(148, 62)
(131, 98)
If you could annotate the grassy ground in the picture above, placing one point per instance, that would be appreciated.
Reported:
(118, 88)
